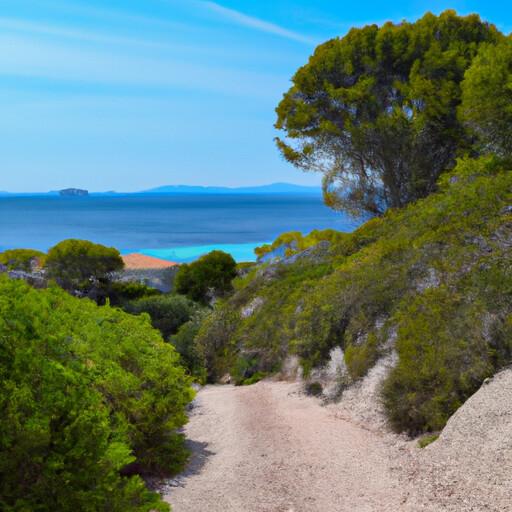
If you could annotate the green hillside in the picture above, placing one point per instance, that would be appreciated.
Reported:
(432, 281)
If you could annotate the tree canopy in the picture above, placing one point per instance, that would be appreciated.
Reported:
(21, 259)
(487, 98)
(376, 111)
(77, 265)
(210, 276)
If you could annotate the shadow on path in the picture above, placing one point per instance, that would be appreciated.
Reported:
(199, 456)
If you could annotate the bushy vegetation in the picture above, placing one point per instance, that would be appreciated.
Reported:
(184, 342)
(89, 396)
(121, 293)
(21, 259)
(375, 111)
(294, 242)
(167, 312)
(486, 107)
(80, 266)
(207, 278)
(432, 281)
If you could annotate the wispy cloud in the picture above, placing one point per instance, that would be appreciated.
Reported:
(254, 23)
(23, 56)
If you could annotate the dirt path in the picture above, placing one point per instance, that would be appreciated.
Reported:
(266, 448)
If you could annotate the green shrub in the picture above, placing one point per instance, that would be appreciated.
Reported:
(80, 265)
(167, 312)
(254, 378)
(295, 242)
(21, 259)
(86, 393)
(184, 342)
(121, 292)
(443, 359)
(244, 369)
(215, 342)
(360, 358)
(428, 439)
(208, 277)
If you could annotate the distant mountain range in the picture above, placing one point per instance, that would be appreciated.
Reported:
(274, 188)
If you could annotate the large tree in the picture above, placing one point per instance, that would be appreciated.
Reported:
(376, 111)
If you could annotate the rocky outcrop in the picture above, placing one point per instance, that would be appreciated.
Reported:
(468, 468)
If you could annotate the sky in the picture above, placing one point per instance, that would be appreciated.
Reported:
(131, 94)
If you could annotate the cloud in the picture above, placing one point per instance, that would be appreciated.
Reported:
(255, 23)
(28, 57)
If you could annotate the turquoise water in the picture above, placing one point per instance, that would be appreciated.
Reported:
(240, 252)
(174, 227)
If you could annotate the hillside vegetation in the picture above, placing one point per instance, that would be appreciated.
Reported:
(90, 396)
(432, 281)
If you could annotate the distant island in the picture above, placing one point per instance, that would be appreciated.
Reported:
(73, 192)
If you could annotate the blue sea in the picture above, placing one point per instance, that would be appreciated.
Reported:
(174, 227)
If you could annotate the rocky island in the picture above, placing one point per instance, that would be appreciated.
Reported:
(73, 192)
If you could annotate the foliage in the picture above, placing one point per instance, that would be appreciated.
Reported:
(21, 259)
(428, 439)
(375, 111)
(432, 280)
(80, 265)
(122, 292)
(360, 358)
(295, 242)
(184, 342)
(86, 393)
(245, 371)
(444, 357)
(167, 312)
(208, 277)
(215, 342)
(487, 98)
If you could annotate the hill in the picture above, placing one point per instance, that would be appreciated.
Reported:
(428, 285)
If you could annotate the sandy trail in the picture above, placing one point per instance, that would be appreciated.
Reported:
(266, 448)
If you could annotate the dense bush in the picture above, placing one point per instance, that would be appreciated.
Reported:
(21, 259)
(167, 312)
(431, 280)
(375, 111)
(88, 396)
(82, 266)
(208, 277)
(120, 293)
(185, 343)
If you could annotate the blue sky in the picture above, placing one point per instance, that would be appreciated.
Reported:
(128, 95)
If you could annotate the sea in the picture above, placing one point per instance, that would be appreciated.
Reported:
(178, 227)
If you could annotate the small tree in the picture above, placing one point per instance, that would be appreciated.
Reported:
(21, 259)
(80, 265)
(208, 277)
(376, 111)
(487, 98)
